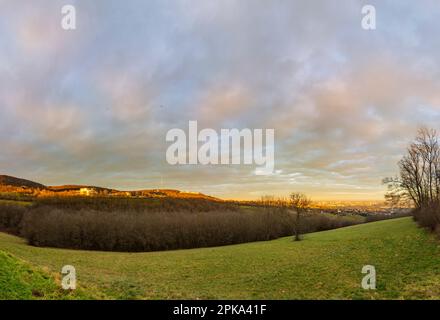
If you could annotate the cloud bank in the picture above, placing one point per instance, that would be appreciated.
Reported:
(93, 105)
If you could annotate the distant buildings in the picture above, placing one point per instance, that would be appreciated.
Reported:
(88, 191)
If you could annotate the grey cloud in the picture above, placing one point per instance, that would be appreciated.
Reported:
(93, 106)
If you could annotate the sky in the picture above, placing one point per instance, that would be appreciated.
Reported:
(93, 105)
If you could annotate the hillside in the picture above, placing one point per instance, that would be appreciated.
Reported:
(18, 182)
(20, 281)
(13, 184)
(325, 265)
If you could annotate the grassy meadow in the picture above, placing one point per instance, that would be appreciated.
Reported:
(325, 265)
(20, 281)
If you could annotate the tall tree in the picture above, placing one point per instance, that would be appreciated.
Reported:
(419, 172)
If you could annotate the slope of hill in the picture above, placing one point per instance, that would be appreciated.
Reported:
(21, 281)
(325, 265)
(17, 182)
(13, 184)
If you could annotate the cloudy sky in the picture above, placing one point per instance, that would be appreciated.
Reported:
(93, 105)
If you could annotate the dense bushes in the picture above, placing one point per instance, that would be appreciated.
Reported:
(428, 217)
(121, 224)
(11, 217)
(381, 216)
(321, 222)
(150, 231)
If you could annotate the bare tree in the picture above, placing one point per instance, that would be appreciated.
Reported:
(419, 179)
(300, 203)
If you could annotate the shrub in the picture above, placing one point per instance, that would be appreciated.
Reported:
(11, 217)
(321, 222)
(146, 231)
(150, 231)
(381, 216)
(123, 224)
(428, 216)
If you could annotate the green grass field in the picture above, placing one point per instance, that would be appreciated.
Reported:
(325, 265)
(19, 280)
